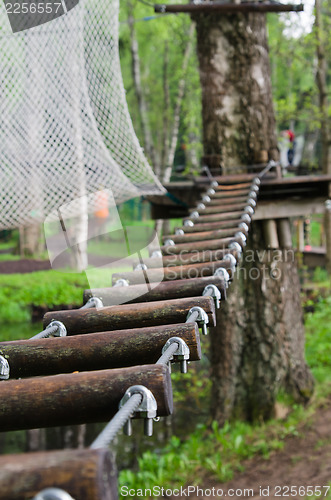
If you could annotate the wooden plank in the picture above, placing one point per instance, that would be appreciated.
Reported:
(164, 291)
(199, 245)
(95, 351)
(226, 216)
(188, 271)
(203, 235)
(188, 258)
(83, 474)
(78, 398)
(164, 312)
(280, 209)
(227, 8)
(210, 226)
(222, 207)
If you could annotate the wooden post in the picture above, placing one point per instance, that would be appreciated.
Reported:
(164, 312)
(300, 235)
(95, 351)
(284, 233)
(270, 233)
(188, 271)
(78, 398)
(164, 291)
(84, 474)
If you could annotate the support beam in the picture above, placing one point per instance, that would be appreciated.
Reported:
(226, 8)
(83, 474)
(270, 233)
(284, 233)
(78, 398)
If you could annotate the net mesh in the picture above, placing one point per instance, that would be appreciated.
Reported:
(65, 130)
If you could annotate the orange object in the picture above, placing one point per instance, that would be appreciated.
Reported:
(102, 204)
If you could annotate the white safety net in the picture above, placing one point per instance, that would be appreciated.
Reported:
(65, 130)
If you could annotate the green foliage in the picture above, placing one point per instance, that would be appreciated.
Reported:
(318, 340)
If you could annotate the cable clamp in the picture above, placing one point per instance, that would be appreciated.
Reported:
(4, 369)
(206, 199)
(141, 267)
(182, 354)
(198, 315)
(121, 282)
(195, 214)
(213, 291)
(52, 494)
(188, 223)
(93, 302)
(179, 232)
(146, 410)
(169, 242)
(221, 272)
(61, 329)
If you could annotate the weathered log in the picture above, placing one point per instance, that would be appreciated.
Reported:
(218, 8)
(233, 187)
(96, 351)
(164, 291)
(210, 226)
(199, 245)
(83, 474)
(215, 200)
(222, 207)
(204, 235)
(78, 398)
(229, 179)
(188, 271)
(188, 258)
(164, 312)
(226, 216)
(228, 195)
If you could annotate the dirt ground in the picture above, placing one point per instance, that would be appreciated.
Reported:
(304, 461)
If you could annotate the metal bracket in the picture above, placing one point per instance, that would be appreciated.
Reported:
(188, 223)
(195, 214)
(94, 302)
(140, 267)
(201, 206)
(4, 369)
(251, 202)
(53, 494)
(221, 272)
(206, 199)
(244, 226)
(179, 232)
(156, 253)
(214, 184)
(249, 210)
(213, 291)
(246, 218)
(61, 329)
(255, 188)
(233, 261)
(211, 191)
(242, 236)
(146, 410)
(121, 282)
(169, 242)
(200, 317)
(257, 181)
(182, 354)
(234, 245)
(252, 194)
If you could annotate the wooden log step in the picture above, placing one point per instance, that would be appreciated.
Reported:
(83, 474)
(233, 187)
(95, 351)
(210, 226)
(187, 258)
(221, 208)
(205, 235)
(230, 195)
(78, 398)
(199, 245)
(227, 216)
(164, 312)
(164, 291)
(188, 271)
(215, 200)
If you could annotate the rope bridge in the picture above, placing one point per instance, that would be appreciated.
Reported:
(112, 362)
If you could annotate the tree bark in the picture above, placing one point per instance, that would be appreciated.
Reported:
(238, 116)
(257, 345)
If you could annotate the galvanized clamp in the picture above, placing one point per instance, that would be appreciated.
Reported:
(146, 410)
(179, 232)
(234, 245)
(213, 291)
(188, 223)
(156, 253)
(201, 206)
(249, 210)
(195, 214)
(245, 217)
(93, 302)
(241, 236)
(211, 191)
(169, 242)
(233, 261)
(221, 272)
(61, 329)
(198, 315)
(141, 267)
(206, 198)
(182, 354)
(244, 226)
(4, 369)
(52, 494)
(121, 282)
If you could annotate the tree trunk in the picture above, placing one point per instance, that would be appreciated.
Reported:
(321, 79)
(238, 117)
(257, 346)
